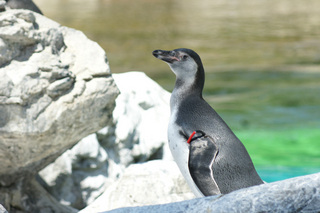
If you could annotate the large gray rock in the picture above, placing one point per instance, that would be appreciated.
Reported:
(137, 134)
(301, 194)
(153, 182)
(55, 88)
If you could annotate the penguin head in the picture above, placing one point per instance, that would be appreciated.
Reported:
(185, 63)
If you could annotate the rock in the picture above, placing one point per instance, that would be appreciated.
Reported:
(137, 134)
(55, 88)
(141, 120)
(299, 194)
(46, 97)
(29, 196)
(154, 182)
(2, 5)
(80, 175)
(2, 209)
(23, 4)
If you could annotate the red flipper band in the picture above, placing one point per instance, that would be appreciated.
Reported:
(191, 136)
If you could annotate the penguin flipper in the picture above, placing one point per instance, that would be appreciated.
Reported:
(203, 152)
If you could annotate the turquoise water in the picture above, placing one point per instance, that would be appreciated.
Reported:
(277, 173)
(266, 99)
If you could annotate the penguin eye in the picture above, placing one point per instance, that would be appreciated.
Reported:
(184, 57)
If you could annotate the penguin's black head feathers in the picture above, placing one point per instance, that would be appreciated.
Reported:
(186, 64)
(191, 53)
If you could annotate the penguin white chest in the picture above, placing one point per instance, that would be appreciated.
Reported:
(180, 151)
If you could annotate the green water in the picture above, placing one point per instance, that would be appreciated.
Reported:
(262, 62)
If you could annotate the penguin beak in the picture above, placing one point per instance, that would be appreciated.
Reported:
(167, 56)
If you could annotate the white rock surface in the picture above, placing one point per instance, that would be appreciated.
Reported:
(154, 182)
(141, 119)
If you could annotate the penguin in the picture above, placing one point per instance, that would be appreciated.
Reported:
(209, 155)
(23, 4)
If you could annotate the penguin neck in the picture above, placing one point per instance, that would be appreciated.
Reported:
(184, 88)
